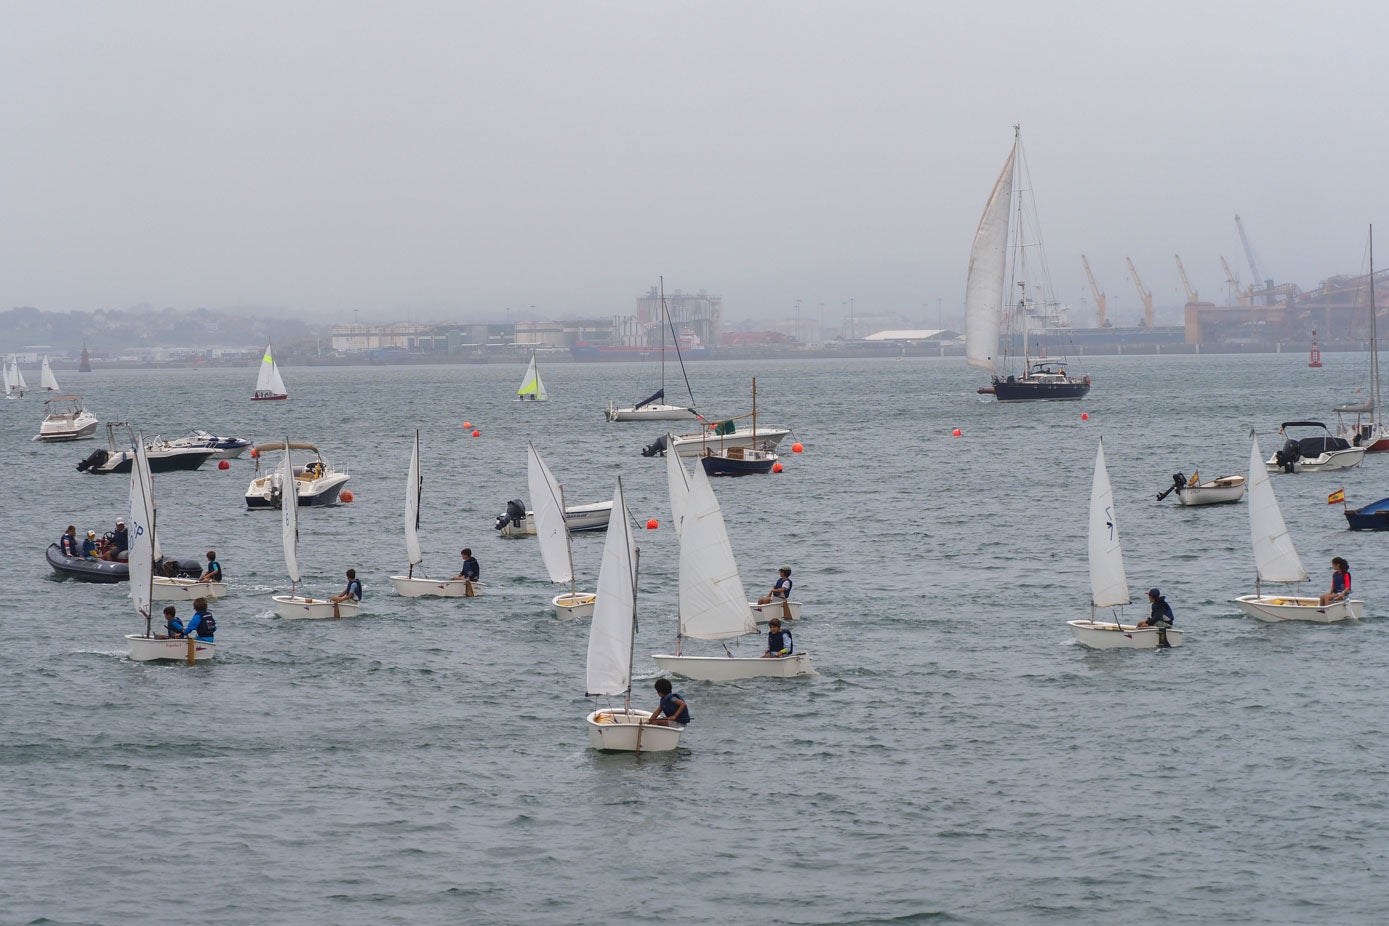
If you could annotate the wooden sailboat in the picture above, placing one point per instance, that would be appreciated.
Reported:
(740, 461)
(532, 387)
(410, 585)
(713, 605)
(1109, 584)
(1276, 560)
(611, 640)
(142, 555)
(294, 606)
(1367, 428)
(547, 495)
(986, 296)
(654, 406)
(270, 386)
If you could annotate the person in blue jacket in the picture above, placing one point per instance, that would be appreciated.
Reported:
(353, 590)
(89, 546)
(1161, 616)
(781, 590)
(172, 625)
(67, 544)
(672, 711)
(779, 644)
(201, 625)
(214, 569)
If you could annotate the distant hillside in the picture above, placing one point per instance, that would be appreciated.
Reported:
(116, 329)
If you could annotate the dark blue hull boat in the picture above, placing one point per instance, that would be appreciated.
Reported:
(738, 461)
(1371, 517)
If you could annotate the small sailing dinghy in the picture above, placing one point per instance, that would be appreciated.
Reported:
(611, 640)
(1276, 560)
(144, 551)
(46, 378)
(270, 386)
(713, 605)
(555, 548)
(410, 585)
(15, 386)
(532, 388)
(293, 606)
(1109, 585)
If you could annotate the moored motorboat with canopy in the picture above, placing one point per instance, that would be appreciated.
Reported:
(65, 419)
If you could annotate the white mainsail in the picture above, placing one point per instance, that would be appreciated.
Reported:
(9, 380)
(17, 378)
(988, 260)
(46, 378)
(289, 517)
(413, 487)
(713, 605)
(531, 386)
(1274, 554)
(269, 381)
(547, 503)
(678, 484)
(611, 634)
(141, 527)
(1109, 586)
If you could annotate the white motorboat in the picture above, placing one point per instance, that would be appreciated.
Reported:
(421, 586)
(64, 419)
(654, 406)
(270, 386)
(1367, 428)
(162, 457)
(144, 551)
(712, 604)
(1276, 560)
(1316, 454)
(47, 380)
(695, 445)
(316, 484)
(519, 521)
(611, 638)
(175, 589)
(1109, 584)
(555, 549)
(1222, 491)
(532, 388)
(294, 606)
(223, 448)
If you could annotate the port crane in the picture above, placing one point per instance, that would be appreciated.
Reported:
(1143, 294)
(1241, 296)
(1191, 294)
(1100, 298)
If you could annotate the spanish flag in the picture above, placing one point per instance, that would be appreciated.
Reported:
(1338, 496)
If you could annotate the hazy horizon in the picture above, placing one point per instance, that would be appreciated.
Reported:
(435, 161)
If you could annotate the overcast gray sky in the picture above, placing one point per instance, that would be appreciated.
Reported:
(442, 160)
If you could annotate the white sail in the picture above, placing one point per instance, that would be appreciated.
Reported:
(20, 385)
(678, 483)
(412, 506)
(988, 260)
(1109, 587)
(269, 381)
(46, 378)
(713, 605)
(615, 611)
(141, 531)
(289, 517)
(1274, 554)
(531, 386)
(547, 503)
(9, 380)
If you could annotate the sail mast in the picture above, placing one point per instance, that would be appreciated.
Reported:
(1374, 342)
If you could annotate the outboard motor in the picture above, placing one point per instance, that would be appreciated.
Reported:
(514, 515)
(657, 448)
(97, 458)
(1179, 480)
(1288, 456)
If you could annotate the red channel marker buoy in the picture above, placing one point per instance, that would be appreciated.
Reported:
(477, 434)
(955, 433)
(346, 497)
(652, 524)
(467, 424)
(223, 464)
(1084, 416)
(797, 447)
(776, 467)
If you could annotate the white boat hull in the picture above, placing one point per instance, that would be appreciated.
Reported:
(733, 668)
(434, 588)
(166, 589)
(1276, 608)
(149, 649)
(625, 731)
(313, 609)
(1220, 491)
(578, 606)
(694, 445)
(651, 413)
(577, 518)
(58, 429)
(1109, 635)
(1322, 463)
(763, 613)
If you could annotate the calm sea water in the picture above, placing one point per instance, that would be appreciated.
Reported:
(957, 759)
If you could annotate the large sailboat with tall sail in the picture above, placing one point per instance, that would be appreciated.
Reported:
(270, 386)
(999, 265)
(1362, 423)
(654, 407)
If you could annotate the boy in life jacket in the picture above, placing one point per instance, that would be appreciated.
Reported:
(201, 625)
(172, 625)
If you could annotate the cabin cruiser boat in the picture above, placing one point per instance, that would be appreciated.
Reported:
(224, 448)
(316, 483)
(519, 521)
(163, 457)
(1319, 453)
(65, 419)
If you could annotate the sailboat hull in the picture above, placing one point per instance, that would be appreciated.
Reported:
(150, 649)
(651, 413)
(1275, 608)
(625, 731)
(1022, 389)
(1109, 635)
(434, 588)
(268, 398)
(297, 608)
(733, 668)
(782, 610)
(166, 589)
(576, 606)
